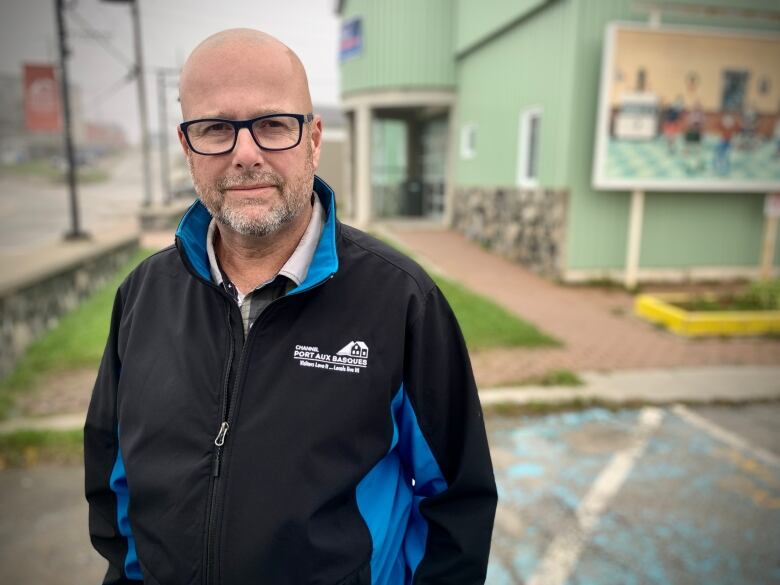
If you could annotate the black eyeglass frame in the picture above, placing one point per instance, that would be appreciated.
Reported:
(239, 124)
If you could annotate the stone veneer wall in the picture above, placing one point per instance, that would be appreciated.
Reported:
(32, 306)
(524, 225)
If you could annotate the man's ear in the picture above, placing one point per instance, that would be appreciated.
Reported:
(316, 140)
(183, 141)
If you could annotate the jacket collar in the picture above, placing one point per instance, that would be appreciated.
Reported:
(193, 227)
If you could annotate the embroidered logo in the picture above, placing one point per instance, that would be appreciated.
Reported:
(351, 358)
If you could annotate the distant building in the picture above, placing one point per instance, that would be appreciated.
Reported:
(333, 152)
(482, 115)
(104, 137)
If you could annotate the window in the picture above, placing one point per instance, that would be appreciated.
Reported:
(468, 141)
(528, 148)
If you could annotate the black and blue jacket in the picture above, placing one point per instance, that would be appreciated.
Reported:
(341, 443)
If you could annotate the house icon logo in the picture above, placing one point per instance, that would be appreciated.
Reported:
(354, 349)
(350, 359)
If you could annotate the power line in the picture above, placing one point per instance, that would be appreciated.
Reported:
(95, 35)
(112, 89)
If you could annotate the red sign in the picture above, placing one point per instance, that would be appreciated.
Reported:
(41, 99)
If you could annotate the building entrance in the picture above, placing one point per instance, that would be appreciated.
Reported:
(408, 162)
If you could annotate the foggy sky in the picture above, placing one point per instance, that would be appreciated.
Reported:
(170, 30)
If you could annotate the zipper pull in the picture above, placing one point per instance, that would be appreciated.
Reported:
(223, 429)
(219, 441)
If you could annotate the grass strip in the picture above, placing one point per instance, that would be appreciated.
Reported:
(485, 325)
(27, 448)
(551, 378)
(76, 342)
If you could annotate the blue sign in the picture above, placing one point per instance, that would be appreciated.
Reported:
(351, 39)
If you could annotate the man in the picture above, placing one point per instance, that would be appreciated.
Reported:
(282, 398)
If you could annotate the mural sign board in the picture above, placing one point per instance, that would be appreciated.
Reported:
(688, 109)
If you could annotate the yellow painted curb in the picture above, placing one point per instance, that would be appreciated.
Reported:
(657, 309)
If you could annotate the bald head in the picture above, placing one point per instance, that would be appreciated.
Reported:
(247, 63)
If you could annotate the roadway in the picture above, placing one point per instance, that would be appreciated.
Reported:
(35, 212)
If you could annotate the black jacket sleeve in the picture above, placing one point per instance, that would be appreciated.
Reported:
(458, 506)
(101, 452)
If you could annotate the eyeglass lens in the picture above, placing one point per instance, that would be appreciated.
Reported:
(275, 132)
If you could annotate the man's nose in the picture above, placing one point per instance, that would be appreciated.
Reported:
(246, 153)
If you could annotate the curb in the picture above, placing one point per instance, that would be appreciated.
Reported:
(720, 384)
(659, 309)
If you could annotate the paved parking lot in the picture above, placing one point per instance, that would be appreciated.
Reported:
(658, 495)
(645, 496)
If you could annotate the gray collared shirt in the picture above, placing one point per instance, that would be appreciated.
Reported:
(292, 274)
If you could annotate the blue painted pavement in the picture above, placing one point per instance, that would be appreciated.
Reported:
(692, 510)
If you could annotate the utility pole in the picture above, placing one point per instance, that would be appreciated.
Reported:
(75, 232)
(141, 85)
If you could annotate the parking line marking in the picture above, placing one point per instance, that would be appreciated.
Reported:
(564, 551)
(725, 436)
(508, 521)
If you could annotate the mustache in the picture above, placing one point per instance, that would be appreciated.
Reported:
(250, 178)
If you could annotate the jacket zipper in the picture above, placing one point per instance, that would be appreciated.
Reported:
(230, 398)
(219, 442)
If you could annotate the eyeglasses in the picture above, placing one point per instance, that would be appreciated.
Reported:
(213, 136)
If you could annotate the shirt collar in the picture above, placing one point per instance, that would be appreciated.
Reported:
(297, 266)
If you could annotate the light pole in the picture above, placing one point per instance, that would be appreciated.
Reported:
(162, 99)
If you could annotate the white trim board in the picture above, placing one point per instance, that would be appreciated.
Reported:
(523, 150)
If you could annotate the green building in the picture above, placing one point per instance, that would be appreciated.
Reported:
(483, 115)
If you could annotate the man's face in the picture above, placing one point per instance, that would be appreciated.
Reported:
(250, 190)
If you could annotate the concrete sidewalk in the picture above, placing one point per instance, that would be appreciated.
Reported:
(58, 422)
(596, 325)
(740, 384)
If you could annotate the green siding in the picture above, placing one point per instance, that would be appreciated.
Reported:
(530, 65)
(598, 221)
(674, 236)
(477, 21)
(679, 229)
(406, 44)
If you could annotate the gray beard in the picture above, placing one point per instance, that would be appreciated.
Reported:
(234, 216)
(293, 198)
